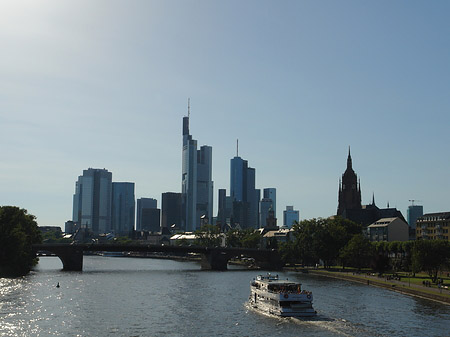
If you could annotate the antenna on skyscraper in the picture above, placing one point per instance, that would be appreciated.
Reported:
(189, 107)
(237, 147)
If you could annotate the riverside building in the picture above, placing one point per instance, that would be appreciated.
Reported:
(433, 226)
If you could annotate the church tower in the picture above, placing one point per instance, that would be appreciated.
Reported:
(349, 189)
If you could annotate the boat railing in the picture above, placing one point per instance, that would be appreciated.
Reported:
(267, 277)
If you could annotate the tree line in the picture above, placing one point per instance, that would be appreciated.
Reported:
(338, 241)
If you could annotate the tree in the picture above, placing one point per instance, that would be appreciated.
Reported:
(54, 237)
(247, 238)
(380, 260)
(18, 232)
(122, 240)
(334, 234)
(323, 239)
(288, 253)
(306, 241)
(430, 256)
(407, 247)
(251, 238)
(357, 253)
(208, 236)
(234, 238)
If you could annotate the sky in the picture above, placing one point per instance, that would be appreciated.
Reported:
(105, 84)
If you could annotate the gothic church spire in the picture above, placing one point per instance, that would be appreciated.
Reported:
(349, 159)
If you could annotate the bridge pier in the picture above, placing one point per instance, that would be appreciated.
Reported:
(72, 258)
(214, 260)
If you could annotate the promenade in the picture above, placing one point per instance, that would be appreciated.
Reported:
(432, 293)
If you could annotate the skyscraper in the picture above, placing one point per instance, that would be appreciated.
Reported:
(171, 210)
(196, 181)
(189, 179)
(225, 207)
(243, 193)
(413, 212)
(271, 193)
(142, 205)
(92, 200)
(265, 206)
(290, 216)
(205, 185)
(123, 206)
(151, 219)
(222, 208)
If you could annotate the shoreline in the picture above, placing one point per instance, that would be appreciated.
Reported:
(398, 286)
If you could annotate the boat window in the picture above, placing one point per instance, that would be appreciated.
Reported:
(285, 303)
(273, 287)
(284, 288)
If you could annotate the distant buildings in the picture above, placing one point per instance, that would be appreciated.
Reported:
(266, 205)
(70, 227)
(433, 226)
(290, 216)
(197, 184)
(146, 217)
(244, 196)
(205, 185)
(92, 200)
(151, 219)
(101, 206)
(349, 201)
(388, 229)
(224, 209)
(123, 205)
(171, 211)
(271, 193)
(271, 221)
(413, 212)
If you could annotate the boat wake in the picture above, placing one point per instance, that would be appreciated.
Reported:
(336, 326)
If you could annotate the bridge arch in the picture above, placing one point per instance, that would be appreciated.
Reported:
(71, 256)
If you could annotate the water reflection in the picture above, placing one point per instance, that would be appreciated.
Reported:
(144, 297)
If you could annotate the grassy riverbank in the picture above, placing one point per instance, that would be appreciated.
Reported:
(408, 285)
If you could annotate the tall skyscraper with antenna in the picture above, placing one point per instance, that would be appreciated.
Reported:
(244, 196)
(196, 181)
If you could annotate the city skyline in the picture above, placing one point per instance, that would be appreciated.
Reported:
(296, 83)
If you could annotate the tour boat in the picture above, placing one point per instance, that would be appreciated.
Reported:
(280, 297)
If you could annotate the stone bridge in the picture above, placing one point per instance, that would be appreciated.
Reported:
(215, 258)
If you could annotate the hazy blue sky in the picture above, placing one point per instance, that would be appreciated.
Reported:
(105, 84)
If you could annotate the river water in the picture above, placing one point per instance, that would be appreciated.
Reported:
(151, 297)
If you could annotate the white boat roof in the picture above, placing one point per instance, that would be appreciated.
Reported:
(273, 279)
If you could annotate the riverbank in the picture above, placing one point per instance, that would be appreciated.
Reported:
(440, 295)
